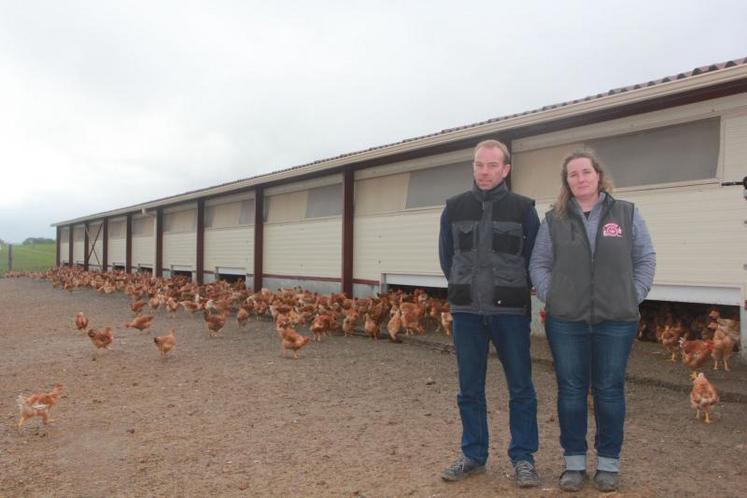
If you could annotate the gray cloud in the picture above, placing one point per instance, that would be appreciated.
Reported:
(106, 105)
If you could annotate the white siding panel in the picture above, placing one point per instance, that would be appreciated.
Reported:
(179, 249)
(64, 245)
(78, 244)
(117, 252)
(143, 251)
(64, 252)
(311, 248)
(698, 233)
(78, 252)
(405, 242)
(233, 248)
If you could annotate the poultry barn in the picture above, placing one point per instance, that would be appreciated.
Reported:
(366, 221)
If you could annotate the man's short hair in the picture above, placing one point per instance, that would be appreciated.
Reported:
(495, 143)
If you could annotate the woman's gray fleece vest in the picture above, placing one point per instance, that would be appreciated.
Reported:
(598, 287)
(488, 270)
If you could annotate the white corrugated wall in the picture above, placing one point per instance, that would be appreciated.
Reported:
(405, 242)
(117, 243)
(143, 242)
(64, 245)
(78, 244)
(310, 248)
(230, 248)
(179, 238)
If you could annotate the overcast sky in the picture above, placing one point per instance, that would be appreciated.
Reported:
(108, 104)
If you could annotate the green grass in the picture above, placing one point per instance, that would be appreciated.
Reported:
(31, 257)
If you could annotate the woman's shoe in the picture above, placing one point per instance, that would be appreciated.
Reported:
(572, 480)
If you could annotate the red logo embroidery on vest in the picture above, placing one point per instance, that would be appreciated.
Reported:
(612, 230)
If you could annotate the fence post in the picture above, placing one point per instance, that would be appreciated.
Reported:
(10, 257)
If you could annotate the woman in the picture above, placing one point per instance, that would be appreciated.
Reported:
(593, 264)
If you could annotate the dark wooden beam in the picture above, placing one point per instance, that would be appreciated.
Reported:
(58, 244)
(159, 243)
(105, 250)
(85, 246)
(259, 224)
(128, 243)
(200, 249)
(70, 244)
(348, 187)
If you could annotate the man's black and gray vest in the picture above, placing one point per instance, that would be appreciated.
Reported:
(593, 287)
(488, 273)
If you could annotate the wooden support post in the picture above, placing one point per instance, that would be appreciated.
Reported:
(159, 243)
(348, 187)
(70, 244)
(128, 244)
(259, 223)
(105, 246)
(58, 245)
(200, 249)
(85, 246)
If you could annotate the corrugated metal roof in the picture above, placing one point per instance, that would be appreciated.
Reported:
(335, 160)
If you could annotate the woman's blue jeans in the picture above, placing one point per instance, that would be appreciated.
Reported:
(510, 337)
(591, 356)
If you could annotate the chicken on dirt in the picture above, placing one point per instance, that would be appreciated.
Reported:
(38, 405)
(165, 343)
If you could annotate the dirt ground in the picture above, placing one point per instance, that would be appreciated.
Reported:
(229, 417)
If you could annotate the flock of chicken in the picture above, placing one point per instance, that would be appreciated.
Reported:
(707, 336)
(398, 312)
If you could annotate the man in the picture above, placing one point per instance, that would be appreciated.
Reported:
(485, 244)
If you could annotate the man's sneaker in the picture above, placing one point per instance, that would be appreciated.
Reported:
(526, 475)
(461, 468)
(572, 480)
(606, 481)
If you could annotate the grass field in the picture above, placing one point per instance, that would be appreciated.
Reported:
(31, 257)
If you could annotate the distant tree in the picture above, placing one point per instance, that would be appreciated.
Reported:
(38, 240)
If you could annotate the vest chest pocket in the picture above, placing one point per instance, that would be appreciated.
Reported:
(465, 233)
(507, 237)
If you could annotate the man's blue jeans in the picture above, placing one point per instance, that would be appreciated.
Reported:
(591, 355)
(510, 337)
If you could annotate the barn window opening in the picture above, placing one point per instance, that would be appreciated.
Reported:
(116, 230)
(682, 152)
(181, 221)
(246, 212)
(230, 214)
(142, 227)
(231, 279)
(432, 186)
(324, 201)
(694, 318)
(437, 292)
(181, 273)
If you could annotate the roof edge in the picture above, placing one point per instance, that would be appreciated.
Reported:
(703, 77)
